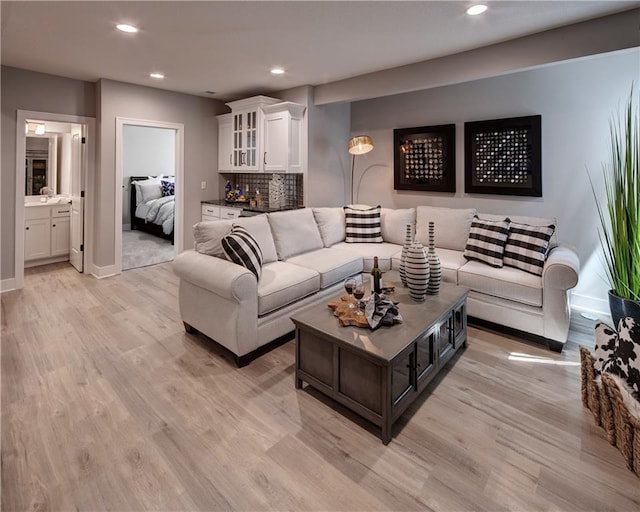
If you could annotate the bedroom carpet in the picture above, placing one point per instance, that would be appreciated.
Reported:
(140, 249)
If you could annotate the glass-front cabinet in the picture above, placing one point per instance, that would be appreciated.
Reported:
(261, 134)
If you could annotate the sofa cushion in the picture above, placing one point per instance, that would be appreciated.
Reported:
(384, 251)
(283, 283)
(242, 249)
(331, 225)
(295, 232)
(527, 247)
(362, 226)
(208, 236)
(258, 227)
(332, 264)
(486, 242)
(451, 226)
(394, 224)
(506, 282)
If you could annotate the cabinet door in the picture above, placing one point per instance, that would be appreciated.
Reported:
(37, 240)
(246, 140)
(276, 142)
(225, 143)
(425, 355)
(60, 236)
(401, 377)
(446, 339)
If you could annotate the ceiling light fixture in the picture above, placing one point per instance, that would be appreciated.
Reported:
(130, 29)
(474, 10)
(159, 76)
(277, 71)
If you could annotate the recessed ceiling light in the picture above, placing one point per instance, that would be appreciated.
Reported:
(127, 28)
(474, 10)
(277, 71)
(159, 76)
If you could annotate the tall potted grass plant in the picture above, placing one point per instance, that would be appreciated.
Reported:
(620, 217)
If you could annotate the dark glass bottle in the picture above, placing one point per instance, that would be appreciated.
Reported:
(377, 276)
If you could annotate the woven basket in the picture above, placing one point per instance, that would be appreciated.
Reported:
(593, 396)
(627, 427)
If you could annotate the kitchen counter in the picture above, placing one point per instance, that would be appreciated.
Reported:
(245, 206)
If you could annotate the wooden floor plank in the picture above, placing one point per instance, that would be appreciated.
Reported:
(108, 404)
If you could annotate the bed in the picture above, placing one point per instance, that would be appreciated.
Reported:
(153, 205)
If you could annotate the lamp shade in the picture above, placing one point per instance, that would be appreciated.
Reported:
(360, 145)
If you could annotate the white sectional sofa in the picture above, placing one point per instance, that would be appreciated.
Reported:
(306, 260)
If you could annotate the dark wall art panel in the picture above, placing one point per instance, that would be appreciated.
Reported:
(425, 158)
(503, 156)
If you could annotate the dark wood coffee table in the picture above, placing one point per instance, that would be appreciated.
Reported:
(378, 374)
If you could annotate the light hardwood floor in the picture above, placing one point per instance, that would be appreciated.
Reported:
(108, 404)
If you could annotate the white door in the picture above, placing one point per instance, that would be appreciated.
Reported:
(60, 236)
(76, 254)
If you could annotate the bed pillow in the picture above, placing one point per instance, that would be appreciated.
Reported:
(150, 180)
(486, 241)
(242, 249)
(527, 247)
(149, 192)
(362, 225)
(168, 188)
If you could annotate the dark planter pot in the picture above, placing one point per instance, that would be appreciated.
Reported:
(621, 308)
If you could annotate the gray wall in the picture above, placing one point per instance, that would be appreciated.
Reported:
(146, 151)
(575, 99)
(27, 90)
(118, 99)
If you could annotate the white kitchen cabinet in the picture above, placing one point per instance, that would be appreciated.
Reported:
(213, 212)
(47, 233)
(283, 137)
(265, 136)
(225, 143)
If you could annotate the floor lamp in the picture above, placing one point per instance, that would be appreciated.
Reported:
(358, 145)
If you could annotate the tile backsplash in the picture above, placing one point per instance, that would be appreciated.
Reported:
(260, 181)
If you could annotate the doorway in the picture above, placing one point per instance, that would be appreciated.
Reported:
(149, 197)
(41, 169)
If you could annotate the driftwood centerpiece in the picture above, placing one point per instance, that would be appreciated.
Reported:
(347, 315)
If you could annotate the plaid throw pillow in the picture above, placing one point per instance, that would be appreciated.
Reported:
(527, 247)
(242, 249)
(486, 241)
(168, 188)
(363, 225)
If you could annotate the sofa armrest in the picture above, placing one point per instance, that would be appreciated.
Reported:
(222, 277)
(561, 268)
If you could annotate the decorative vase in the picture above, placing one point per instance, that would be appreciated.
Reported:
(408, 238)
(417, 271)
(435, 271)
(277, 192)
(622, 308)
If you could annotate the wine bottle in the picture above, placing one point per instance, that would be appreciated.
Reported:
(377, 276)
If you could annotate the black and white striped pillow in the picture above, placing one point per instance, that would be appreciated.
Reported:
(363, 225)
(486, 241)
(527, 247)
(242, 249)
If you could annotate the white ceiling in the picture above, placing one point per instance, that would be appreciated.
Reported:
(229, 47)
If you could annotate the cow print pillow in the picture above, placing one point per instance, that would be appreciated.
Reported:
(606, 340)
(625, 361)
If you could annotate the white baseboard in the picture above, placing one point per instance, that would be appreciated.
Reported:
(6, 285)
(102, 272)
(593, 306)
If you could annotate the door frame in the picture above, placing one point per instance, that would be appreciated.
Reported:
(179, 178)
(88, 170)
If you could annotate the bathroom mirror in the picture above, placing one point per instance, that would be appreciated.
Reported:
(40, 164)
